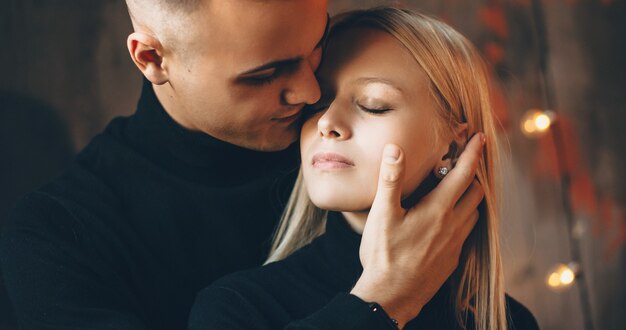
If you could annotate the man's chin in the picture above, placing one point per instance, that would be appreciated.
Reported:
(278, 143)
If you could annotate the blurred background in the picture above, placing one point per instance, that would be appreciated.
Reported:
(560, 77)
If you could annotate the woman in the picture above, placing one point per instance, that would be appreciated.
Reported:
(388, 76)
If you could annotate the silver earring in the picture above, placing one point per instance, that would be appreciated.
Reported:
(443, 171)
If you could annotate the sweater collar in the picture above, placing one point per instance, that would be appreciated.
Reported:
(340, 245)
(194, 155)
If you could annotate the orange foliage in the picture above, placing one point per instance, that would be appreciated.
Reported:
(620, 238)
(494, 52)
(493, 17)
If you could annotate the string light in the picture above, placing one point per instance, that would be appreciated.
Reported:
(563, 276)
(537, 122)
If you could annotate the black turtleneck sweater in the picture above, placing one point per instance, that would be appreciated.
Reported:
(272, 296)
(148, 214)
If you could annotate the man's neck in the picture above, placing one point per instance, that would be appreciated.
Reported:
(168, 99)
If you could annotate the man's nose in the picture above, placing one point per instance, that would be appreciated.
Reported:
(304, 88)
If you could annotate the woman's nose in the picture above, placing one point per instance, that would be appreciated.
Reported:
(333, 124)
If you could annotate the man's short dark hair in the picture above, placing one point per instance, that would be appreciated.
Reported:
(184, 5)
(169, 5)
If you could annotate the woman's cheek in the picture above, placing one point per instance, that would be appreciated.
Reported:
(370, 173)
(307, 134)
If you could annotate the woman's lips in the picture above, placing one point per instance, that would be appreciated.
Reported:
(329, 160)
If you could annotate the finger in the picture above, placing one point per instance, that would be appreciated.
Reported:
(470, 200)
(468, 225)
(389, 190)
(453, 185)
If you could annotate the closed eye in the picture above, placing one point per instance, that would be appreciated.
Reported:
(263, 77)
(376, 110)
(269, 74)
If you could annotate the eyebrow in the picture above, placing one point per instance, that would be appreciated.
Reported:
(274, 64)
(289, 62)
(373, 80)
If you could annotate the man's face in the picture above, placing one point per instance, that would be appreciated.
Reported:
(242, 70)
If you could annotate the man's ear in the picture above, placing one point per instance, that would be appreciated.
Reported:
(147, 53)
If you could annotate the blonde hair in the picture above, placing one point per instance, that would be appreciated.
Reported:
(459, 84)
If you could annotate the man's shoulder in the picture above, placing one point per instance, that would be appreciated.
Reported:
(80, 193)
(79, 189)
(60, 207)
(32, 208)
(87, 183)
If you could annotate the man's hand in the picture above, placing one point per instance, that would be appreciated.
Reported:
(407, 255)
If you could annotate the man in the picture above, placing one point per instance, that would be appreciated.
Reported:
(190, 187)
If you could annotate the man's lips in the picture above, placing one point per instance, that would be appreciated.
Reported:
(289, 118)
(329, 160)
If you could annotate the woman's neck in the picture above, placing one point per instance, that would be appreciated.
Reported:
(356, 220)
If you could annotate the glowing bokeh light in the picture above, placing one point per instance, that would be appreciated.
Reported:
(567, 277)
(562, 276)
(536, 122)
(542, 122)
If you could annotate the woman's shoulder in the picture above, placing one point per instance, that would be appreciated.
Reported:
(239, 300)
(278, 273)
(265, 297)
(248, 283)
(269, 279)
(519, 317)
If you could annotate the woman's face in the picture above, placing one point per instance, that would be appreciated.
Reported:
(373, 93)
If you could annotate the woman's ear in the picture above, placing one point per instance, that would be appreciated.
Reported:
(456, 146)
(147, 53)
(460, 138)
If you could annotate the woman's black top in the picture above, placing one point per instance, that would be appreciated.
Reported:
(322, 273)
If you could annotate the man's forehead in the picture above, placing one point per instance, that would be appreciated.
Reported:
(270, 34)
(169, 5)
(281, 61)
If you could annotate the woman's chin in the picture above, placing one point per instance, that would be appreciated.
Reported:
(329, 203)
